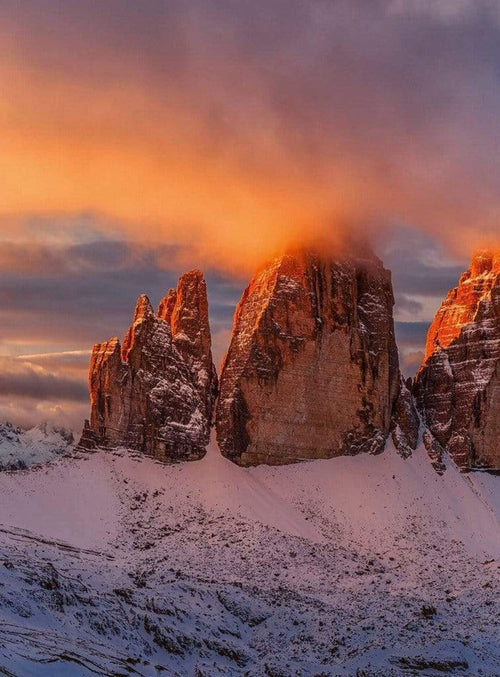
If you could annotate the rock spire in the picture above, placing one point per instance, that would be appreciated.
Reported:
(312, 368)
(458, 385)
(155, 393)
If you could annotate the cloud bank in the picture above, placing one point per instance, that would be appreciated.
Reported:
(238, 128)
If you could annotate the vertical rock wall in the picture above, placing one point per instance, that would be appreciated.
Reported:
(156, 392)
(458, 385)
(312, 368)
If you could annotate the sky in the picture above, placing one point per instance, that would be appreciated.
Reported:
(141, 139)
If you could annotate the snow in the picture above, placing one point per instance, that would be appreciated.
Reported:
(62, 501)
(23, 448)
(114, 564)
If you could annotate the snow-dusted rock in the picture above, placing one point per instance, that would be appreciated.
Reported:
(312, 369)
(21, 448)
(155, 393)
(406, 421)
(458, 385)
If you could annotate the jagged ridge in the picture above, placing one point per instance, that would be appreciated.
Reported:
(458, 385)
(155, 393)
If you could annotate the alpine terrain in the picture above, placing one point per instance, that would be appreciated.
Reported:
(331, 525)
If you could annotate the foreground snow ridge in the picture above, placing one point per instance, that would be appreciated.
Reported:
(114, 564)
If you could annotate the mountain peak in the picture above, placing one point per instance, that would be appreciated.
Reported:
(458, 384)
(157, 395)
(465, 301)
(312, 368)
(143, 308)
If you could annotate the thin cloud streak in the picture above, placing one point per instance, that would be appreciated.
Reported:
(64, 354)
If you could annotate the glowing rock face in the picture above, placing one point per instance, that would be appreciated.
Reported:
(458, 385)
(312, 369)
(156, 392)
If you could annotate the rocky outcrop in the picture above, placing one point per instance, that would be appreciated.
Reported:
(458, 386)
(312, 368)
(156, 392)
(406, 421)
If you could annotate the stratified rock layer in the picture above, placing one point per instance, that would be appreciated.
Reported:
(312, 369)
(156, 392)
(458, 385)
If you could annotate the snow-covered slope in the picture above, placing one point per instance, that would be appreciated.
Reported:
(367, 565)
(23, 448)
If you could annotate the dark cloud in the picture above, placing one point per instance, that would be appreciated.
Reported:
(420, 265)
(34, 389)
(406, 303)
(21, 379)
(410, 339)
(73, 364)
(102, 255)
(411, 333)
(79, 294)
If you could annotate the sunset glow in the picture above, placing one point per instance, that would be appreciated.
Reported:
(249, 338)
(205, 135)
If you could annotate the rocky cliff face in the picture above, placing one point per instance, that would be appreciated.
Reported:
(405, 421)
(312, 368)
(156, 392)
(458, 385)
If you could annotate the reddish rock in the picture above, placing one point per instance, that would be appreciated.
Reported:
(185, 309)
(156, 392)
(458, 385)
(312, 368)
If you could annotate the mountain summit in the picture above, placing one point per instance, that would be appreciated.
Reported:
(156, 392)
(458, 385)
(312, 368)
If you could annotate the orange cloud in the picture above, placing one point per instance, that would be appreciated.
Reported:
(249, 144)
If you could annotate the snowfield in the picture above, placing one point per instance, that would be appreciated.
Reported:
(114, 564)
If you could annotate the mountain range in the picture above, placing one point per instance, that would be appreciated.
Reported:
(334, 520)
(311, 370)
